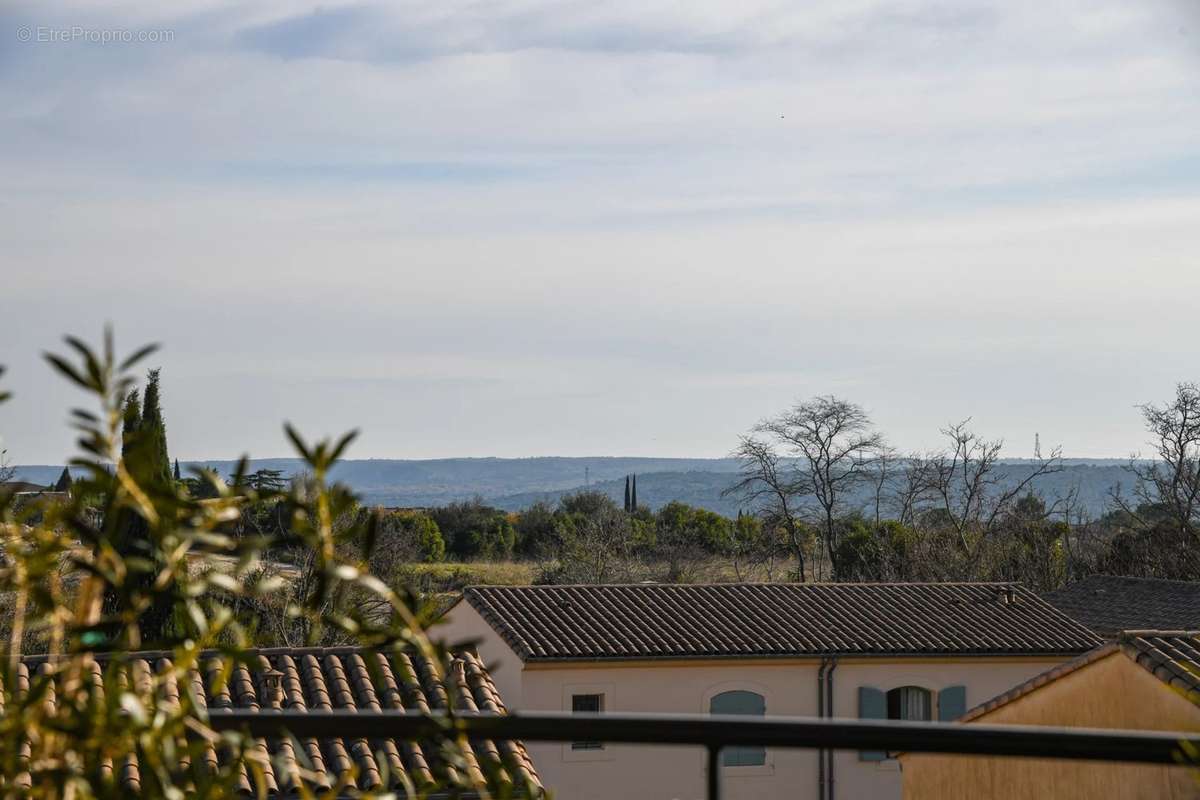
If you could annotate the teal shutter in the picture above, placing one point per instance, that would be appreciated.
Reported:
(952, 703)
(740, 702)
(872, 704)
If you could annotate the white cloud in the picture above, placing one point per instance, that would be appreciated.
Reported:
(688, 212)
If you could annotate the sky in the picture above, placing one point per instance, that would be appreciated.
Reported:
(624, 228)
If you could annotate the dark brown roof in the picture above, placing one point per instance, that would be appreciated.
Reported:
(761, 619)
(1171, 656)
(1109, 604)
(340, 678)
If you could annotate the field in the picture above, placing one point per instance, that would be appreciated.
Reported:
(454, 576)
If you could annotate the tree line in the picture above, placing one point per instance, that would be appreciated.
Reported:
(825, 498)
(946, 514)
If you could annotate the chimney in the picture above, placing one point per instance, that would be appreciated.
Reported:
(273, 685)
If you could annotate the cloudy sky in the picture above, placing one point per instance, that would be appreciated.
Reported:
(624, 228)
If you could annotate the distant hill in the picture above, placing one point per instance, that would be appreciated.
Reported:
(517, 483)
(396, 482)
(704, 489)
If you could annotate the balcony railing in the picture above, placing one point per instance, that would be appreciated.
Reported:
(714, 732)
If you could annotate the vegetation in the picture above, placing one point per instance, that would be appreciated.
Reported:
(474, 530)
(822, 476)
(87, 576)
(868, 514)
(822, 497)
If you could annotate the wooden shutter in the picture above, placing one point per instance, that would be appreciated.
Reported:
(872, 704)
(952, 703)
(740, 702)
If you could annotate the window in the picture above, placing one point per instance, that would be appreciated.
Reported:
(913, 703)
(740, 702)
(910, 703)
(587, 704)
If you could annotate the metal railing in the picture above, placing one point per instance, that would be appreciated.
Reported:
(715, 732)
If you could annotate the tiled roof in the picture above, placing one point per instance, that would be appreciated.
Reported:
(1109, 604)
(320, 679)
(1171, 656)
(757, 620)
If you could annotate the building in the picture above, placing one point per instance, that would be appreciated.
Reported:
(904, 651)
(320, 679)
(1109, 604)
(1144, 680)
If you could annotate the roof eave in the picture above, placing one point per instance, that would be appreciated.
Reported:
(1069, 653)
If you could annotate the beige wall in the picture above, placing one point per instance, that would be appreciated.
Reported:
(637, 771)
(1110, 693)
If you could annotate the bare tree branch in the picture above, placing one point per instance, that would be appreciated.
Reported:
(835, 448)
(764, 486)
(1171, 484)
(966, 487)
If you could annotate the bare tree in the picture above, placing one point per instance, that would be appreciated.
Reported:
(962, 483)
(767, 485)
(882, 477)
(1075, 520)
(1171, 484)
(834, 447)
(910, 490)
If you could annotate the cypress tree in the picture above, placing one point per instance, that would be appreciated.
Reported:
(633, 495)
(64, 481)
(129, 528)
(178, 477)
(627, 494)
(144, 453)
(154, 431)
(131, 423)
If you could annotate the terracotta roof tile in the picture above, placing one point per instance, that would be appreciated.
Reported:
(1110, 604)
(729, 620)
(334, 678)
(1171, 656)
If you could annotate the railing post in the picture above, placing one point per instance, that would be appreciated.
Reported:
(714, 772)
